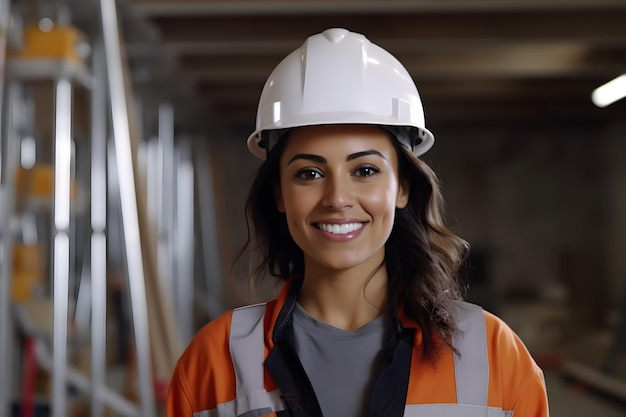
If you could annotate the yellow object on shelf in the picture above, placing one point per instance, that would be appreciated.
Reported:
(60, 42)
(37, 182)
(28, 269)
(23, 287)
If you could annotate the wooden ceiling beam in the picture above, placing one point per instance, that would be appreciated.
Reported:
(256, 8)
(549, 112)
(432, 91)
(494, 63)
(593, 26)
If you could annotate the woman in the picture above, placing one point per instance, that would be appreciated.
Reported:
(370, 320)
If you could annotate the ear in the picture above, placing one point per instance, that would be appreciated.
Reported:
(278, 198)
(403, 194)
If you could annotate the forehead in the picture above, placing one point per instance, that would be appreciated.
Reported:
(338, 139)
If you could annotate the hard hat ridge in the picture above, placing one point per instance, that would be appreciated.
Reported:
(339, 77)
(335, 35)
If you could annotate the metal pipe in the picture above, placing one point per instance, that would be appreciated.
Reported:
(183, 244)
(150, 152)
(98, 321)
(8, 165)
(98, 230)
(61, 248)
(5, 18)
(165, 200)
(594, 378)
(6, 207)
(130, 217)
(209, 235)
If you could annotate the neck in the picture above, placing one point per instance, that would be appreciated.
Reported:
(345, 299)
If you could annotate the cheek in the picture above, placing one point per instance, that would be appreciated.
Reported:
(381, 200)
(297, 204)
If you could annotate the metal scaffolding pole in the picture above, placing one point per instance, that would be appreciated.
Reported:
(6, 207)
(8, 164)
(209, 236)
(183, 240)
(128, 196)
(165, 193)
(61, 248)
(5, 16)
(98, 230)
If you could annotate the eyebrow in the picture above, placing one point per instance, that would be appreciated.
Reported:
(322, 160)
(364, 153)
(308, 156)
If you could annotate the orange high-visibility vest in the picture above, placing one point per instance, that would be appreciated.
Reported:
(234, 368)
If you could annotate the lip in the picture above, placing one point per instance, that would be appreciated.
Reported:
(338, 221)
(336, 237)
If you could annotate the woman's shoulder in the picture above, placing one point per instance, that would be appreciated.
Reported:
(510, 358)
(501, 335)
(501, 339)
(505, 348)
(518, 381)
(213, 339)
(209, 340)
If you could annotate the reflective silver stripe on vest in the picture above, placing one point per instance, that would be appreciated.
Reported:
(453, 410)
(471, 369)
(246, 350)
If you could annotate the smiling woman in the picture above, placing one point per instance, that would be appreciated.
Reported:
(339, 188)
(371, 319)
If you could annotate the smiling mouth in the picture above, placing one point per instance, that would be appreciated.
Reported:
(339, 229)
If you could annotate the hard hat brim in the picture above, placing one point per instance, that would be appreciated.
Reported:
(426, 138)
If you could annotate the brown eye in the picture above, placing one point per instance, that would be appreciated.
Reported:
(366, 171)
(308, 174)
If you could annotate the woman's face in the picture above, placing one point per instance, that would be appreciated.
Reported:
(339, 189)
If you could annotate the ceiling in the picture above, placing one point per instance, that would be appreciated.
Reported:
(474, 61)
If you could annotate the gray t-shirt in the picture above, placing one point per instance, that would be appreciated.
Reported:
(341, 365)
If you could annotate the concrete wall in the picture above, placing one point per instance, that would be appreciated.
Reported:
(615, 157)
(543, 205)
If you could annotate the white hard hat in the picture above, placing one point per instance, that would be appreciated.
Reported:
(340, 77)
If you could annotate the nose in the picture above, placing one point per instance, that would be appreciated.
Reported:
(338, 194)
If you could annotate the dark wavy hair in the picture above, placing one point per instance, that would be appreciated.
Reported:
(423, 257)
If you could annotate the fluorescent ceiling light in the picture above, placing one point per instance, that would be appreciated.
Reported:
(610, 92)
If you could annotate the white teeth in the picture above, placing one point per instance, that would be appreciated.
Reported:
(340, 229)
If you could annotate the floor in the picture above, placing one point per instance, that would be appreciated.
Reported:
(569, 399)
(557, 341)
